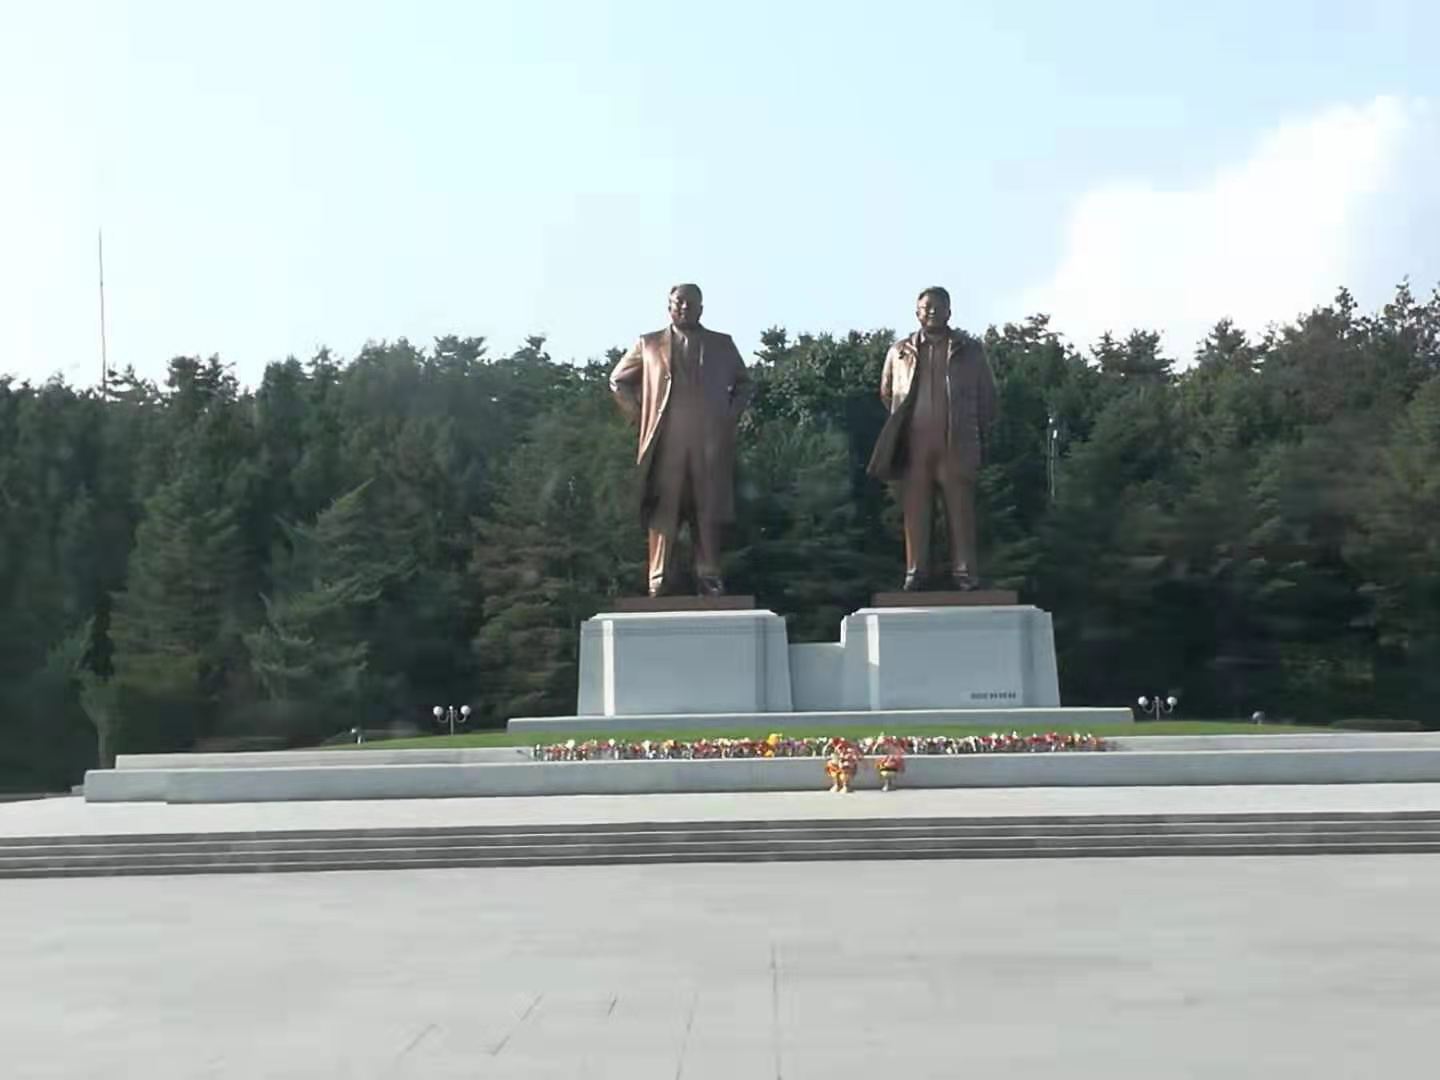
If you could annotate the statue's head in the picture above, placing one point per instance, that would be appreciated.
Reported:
(686, 303)
(932, 308)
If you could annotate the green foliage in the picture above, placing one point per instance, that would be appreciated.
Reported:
(49, 738)
(801, 539)
(1397, 549)
(354, 541)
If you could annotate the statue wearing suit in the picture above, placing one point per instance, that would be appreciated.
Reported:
(686, 386)
(940, 393)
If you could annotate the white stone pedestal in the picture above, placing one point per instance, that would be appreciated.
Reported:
(985, 665)
(664, 662)
(932, 658)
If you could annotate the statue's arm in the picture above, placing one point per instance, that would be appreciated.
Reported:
(625, 380)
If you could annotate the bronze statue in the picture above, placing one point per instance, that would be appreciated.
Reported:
(687, 386)
(940, 392)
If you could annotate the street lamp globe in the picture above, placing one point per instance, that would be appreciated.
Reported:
(1143, 702)
(465, 711)
(1172, 701)
(438, 712)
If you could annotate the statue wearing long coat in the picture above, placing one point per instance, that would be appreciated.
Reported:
(687, 399)
(941, 457)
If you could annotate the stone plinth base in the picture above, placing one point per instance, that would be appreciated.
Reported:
(683, 603)
(707, 661)
(970, 598)
(957, 657)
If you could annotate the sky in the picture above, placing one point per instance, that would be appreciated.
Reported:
(271, 178)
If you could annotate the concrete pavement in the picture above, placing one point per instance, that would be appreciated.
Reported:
(1122, 970)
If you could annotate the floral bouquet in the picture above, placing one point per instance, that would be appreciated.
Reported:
(892, 760)
(842, 765)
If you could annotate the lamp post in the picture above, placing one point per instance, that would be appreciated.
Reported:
(1052, 452)
(1155, 707)
(451, 715)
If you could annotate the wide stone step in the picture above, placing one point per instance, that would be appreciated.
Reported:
(1277, 819)
(796, 827)
(886, 832)
(678, 844)
(720, 842)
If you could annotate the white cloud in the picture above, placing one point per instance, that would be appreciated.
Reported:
(1259, 242)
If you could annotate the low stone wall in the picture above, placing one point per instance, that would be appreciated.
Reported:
(1309, 740)
(293, 759)
(430, 781)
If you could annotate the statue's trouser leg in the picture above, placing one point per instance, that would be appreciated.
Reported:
(704, 529)
(707, 544)
(695, 508)
(917, 498)
(958, 488)
(669, 479)
(661, 545)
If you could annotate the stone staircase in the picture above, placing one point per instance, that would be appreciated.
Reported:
(722, 841)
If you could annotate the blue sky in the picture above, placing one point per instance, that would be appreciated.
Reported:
(273, 177)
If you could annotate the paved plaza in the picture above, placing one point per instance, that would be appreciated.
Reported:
(1153, 968)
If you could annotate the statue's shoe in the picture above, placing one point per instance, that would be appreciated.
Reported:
(712, 586)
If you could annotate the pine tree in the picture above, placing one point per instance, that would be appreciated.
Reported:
(175, 628)
(563, 536)
(312, 653)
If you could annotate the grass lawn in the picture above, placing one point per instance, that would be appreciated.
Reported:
(501, 738)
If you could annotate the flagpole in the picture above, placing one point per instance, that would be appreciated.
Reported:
(104, 353)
